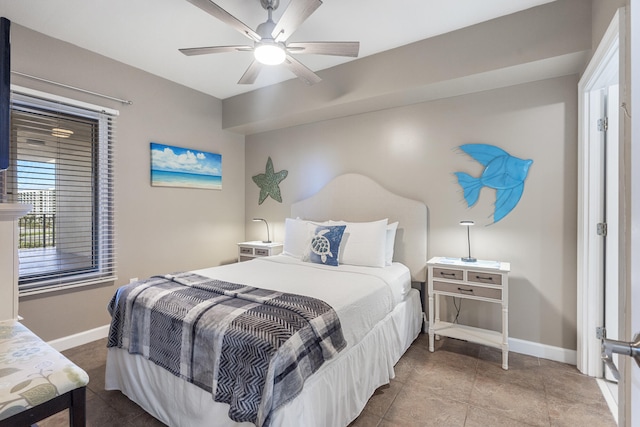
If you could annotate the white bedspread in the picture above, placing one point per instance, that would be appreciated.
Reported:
(361, 296)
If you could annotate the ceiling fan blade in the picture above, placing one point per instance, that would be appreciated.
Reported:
(326, 48)
(292, 17)
(213, 9)
(191, 51)
(303, 73)
(249, 76)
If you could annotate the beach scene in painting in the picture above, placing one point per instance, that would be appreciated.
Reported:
(185, 167)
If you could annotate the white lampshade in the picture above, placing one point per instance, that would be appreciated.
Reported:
(269, 53)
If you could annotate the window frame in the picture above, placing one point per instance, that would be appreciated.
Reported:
(104, 242)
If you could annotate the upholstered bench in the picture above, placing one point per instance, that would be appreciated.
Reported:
(36, 381)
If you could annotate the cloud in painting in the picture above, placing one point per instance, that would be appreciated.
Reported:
(176, 159)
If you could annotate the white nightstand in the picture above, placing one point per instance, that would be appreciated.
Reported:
(482, 281)
(250, 250)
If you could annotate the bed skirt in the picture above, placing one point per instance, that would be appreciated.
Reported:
(333, 396)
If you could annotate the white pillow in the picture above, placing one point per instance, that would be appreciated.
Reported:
(363, 243)
(391, 241)
(297, 237)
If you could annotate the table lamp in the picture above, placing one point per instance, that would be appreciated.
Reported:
(267, 224)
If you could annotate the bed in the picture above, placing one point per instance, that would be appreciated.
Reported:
(379, 312)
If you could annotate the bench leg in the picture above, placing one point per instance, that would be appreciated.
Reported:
(74, 400)
(78, 408)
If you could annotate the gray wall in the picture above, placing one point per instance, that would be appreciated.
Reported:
(509, 82)
(412, 151)
(159, 230)
(601, 13)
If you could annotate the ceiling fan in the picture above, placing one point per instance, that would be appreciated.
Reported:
(270, 46)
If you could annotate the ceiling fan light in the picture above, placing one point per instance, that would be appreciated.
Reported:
(269, 54)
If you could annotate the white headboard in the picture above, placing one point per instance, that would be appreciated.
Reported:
(355, 197)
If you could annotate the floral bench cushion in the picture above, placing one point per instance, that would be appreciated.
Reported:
(31, 371)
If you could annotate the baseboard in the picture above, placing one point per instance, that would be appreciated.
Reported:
(609, 397)
(75, 340)
(544, 351)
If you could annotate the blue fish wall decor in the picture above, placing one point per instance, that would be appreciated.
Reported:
(502, 172)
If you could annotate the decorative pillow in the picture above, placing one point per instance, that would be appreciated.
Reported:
(391, 241)
(364, 243)
(324, 245)
(296, 237)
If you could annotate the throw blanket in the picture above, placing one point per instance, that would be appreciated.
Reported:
(251, 348)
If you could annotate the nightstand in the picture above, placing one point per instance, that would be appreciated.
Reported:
(251, 250)
(486, 281)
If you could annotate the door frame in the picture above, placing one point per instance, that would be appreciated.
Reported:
(590, 289)
(630, 371)
(590, 245)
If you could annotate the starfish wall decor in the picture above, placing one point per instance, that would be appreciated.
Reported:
(269, 183)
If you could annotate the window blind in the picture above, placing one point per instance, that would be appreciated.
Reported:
(62, 157)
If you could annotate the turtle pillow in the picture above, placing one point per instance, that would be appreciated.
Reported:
(324, 244)
(296, 236)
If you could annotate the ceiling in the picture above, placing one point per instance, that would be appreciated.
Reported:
(147, 34)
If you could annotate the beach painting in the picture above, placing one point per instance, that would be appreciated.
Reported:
(185, 167)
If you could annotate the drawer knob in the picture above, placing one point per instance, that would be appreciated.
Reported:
(442, 273)
(465, 290)
(483, 278)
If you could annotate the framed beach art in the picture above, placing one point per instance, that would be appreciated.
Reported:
(185, 167)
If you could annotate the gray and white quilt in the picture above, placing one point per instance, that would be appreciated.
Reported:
(251, 348)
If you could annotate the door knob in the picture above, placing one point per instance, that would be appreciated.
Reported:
(626, 348)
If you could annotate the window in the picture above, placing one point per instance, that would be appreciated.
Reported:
(62, 164)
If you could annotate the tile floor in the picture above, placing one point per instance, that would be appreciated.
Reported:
(460, 384)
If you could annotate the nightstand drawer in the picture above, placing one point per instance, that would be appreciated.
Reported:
(481, 277)
(257, 248)
(246, 251)
(447, 273)
(476, 291)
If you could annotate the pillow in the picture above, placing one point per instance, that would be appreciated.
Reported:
(324, 245)
(363, 243)
(296, 237)
(390, 243)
